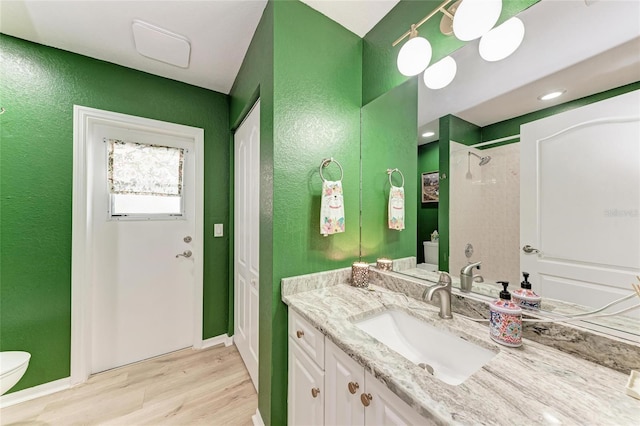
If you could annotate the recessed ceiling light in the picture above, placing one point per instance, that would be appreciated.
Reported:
(551, 95)
(428, 134)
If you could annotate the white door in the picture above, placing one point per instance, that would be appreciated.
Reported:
(142, 294)
(386, 408)
(580, 201)
(305, 394)
(246, 239)
(344, 382)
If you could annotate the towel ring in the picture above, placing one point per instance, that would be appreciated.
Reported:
(390, 172)
(325, 162)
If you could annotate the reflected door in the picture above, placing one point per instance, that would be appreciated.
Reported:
(580, 201)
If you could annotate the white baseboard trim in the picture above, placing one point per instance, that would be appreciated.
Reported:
(35, 392)
(214, 341)
(257, 418)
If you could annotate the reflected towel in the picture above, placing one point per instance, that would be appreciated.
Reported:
(396, 208)
(331, 208)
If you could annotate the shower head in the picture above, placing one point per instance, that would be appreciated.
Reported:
(483, 160)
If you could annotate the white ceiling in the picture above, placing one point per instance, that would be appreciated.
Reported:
(559, 34)
(219, 30)
(359, 16)
(583, 49)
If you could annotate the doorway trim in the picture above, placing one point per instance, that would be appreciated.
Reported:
(84, 118)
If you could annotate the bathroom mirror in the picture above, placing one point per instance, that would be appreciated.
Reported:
(578, 51)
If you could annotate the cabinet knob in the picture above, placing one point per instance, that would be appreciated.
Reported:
(315, 392)
(366, 399)
(353, 387)
(299, 333)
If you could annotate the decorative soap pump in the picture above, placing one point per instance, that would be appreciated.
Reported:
(524, 296)
(505, 322)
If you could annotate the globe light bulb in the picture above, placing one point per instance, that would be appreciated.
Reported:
(474, 18)
(414, 56)
(441, 73)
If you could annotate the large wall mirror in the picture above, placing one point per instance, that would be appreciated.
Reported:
(583, 48)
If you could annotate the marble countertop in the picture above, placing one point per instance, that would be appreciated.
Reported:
(533, 384)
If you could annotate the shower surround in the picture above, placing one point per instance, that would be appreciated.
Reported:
(485, 210)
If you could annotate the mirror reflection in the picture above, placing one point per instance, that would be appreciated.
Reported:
(488, 216)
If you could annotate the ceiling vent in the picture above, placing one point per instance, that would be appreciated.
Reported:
(160, 44)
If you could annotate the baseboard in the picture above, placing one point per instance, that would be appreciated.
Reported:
(35, 392)
(257, 418)
(214, 341)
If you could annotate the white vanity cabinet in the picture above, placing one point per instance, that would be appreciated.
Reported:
(333, 389)
(305, 396)
(355, 397)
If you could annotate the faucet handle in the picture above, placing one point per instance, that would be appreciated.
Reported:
(444, 280)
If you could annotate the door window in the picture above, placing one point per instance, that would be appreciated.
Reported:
(144, 181)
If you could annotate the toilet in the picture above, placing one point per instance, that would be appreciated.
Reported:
(13, 365)
(430, 256)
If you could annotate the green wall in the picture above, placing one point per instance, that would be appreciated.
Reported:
(428, 161)
(307, 71)
(389, 135)
(38, 87)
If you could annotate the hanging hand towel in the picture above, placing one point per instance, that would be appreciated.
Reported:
(396, 208)
(331, 208)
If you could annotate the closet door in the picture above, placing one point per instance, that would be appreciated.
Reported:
(246, 240)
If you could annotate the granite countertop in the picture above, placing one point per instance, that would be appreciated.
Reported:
(533, 384)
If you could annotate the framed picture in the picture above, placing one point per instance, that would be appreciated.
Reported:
(430, 187)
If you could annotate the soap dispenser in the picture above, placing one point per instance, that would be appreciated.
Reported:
(505, 322)
(524, 296)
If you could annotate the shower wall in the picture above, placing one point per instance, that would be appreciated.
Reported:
(485, 211)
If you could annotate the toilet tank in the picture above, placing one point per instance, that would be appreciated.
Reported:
(431, 252)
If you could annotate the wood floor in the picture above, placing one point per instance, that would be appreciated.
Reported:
(188, 387)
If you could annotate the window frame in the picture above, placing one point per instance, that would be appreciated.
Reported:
(111, 216)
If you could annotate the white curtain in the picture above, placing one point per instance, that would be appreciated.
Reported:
(141, 169)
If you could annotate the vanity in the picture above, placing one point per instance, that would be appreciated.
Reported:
(340, 374)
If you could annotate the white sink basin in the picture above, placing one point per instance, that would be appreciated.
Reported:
(450, 358)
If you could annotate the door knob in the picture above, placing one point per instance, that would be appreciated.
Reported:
(353, 387)
(186, 253)
(187, 239)
(530, 250)
(315, 392)
(299, 333)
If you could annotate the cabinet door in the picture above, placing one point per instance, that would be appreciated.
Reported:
(386, 408)
(306, 389)
(344, 382)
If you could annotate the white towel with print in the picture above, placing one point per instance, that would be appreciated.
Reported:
(331, 208)
(396, 208)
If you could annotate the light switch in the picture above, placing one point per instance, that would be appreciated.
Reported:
(218, 230)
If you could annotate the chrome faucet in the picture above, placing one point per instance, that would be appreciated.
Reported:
(443, 287)
(466, 276)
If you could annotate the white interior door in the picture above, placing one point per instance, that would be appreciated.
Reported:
(143, 296)
(246, 240)
(580, 201)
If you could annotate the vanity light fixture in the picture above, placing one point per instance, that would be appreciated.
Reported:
(551, 95)
(428, 134)
(467, 20)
